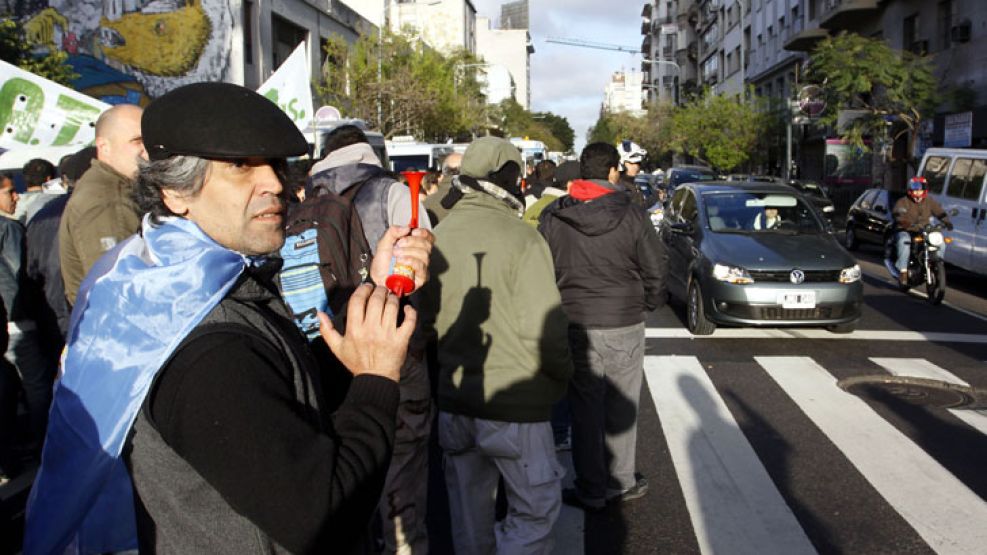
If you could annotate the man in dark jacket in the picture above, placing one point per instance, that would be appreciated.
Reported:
(185, 381)
(352, 169)
(611, 269)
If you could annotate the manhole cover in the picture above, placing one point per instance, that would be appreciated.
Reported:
(917, 391)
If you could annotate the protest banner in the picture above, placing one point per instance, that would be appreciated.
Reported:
(37, 112)
(290, 87)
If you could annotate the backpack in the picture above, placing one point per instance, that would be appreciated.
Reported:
(326, 257)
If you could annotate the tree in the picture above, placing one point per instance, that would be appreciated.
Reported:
(417, 90)
(39, 57)
(518, 122)
(718, 129)
(893, 90)
(559, 127)
(650, 130)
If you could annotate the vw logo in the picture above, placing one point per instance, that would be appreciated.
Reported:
(797, 276)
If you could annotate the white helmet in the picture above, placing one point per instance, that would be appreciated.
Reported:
(630, 152)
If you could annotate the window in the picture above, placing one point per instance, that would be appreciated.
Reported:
(248, 32)
(967, 178)
(812, 9)
(945, 24)
(287, 36)
(909, 32)
(935, 173)
(688, 212)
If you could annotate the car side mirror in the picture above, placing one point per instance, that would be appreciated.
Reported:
(681, 227)
(954, 211)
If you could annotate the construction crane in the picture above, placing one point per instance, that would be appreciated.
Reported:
(598, 45)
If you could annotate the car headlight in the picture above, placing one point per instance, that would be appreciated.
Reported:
(731, 274)
(851, 274)
(828, 208)
(935, 238)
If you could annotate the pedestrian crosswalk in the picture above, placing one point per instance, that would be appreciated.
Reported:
(734, 503)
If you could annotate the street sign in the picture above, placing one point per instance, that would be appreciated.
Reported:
(811, 102)
(958, 130)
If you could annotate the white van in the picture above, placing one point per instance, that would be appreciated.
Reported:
(956, 180)
(406, 153)
(319, 130)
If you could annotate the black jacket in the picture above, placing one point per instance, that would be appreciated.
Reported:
(609, 263)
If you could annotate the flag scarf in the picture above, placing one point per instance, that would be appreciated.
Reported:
(134, 308)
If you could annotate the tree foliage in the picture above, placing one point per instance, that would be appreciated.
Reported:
(417, 90)
(560, 128)
(718, 129)
(404, 87)
(892, 89)
(41, 59)
(649, 130)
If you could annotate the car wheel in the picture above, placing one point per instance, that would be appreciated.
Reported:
(695, 313)
(843, 328)
(850, 241)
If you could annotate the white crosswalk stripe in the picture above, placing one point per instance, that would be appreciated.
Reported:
(733, 504)
(944, 512)
(921, 368)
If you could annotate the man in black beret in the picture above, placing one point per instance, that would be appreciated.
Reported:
(185, 381)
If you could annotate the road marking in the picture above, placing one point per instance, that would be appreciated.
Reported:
(812, 333)
(921, 368)
(947, 515)
(733, 503)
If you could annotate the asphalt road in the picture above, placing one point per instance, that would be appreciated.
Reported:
(751, 446)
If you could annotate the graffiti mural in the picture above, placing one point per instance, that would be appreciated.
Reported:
(129, 51)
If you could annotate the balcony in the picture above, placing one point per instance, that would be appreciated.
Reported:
(841, 14)
(646, 45)
(806, 40)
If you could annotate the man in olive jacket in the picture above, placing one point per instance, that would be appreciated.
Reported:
(100, 213)
(503, 358)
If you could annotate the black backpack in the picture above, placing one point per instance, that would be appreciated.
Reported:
(326, 257)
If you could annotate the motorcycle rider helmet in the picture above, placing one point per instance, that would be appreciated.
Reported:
(918, 188)
(630, 152)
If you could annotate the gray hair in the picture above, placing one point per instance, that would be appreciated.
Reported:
(182, 174)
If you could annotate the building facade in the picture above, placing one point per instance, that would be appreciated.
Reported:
(670, 49)
(514, 15)
(506, 54)
(130, 51)
(624, 93)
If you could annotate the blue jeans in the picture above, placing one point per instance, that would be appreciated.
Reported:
(903, 240)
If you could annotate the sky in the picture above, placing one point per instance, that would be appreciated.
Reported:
(569, 80)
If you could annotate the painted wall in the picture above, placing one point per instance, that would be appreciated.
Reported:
(129, 51)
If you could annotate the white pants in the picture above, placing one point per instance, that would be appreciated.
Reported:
(476, 454)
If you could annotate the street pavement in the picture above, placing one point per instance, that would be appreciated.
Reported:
(751, 446)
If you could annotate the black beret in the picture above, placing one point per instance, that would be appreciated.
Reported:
(218, 120)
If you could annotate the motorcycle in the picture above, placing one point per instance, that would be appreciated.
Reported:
(925, 263)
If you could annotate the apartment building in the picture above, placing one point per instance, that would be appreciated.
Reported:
(624, 93)
(670, 49)
(506, 55)
(445, 25)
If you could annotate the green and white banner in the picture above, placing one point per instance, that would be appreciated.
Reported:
(37, 112)
(290, 87)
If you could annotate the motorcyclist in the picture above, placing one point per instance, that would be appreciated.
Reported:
(911, 213)
(631, 157)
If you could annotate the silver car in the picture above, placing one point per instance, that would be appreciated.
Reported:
(757, 254)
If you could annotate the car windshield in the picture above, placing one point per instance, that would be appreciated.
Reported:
(750, 212)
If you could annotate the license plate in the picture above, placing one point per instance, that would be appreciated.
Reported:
(804, 299)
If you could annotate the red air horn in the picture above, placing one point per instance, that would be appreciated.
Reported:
(401, 280)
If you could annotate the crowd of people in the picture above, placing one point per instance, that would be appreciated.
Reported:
(189, 413)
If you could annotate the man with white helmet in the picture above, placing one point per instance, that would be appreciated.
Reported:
(631, 157)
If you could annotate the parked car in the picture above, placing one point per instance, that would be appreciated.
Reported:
(869, 219)
(757, 254)
(956, 180)
(816, 195)
(687, 174)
